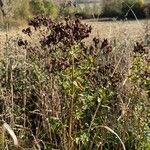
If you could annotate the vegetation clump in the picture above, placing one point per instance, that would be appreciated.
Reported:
(63, 93)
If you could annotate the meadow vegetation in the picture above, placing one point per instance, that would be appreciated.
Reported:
(67, 85)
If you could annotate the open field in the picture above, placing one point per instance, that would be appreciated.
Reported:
(134, 30)
(113, 30)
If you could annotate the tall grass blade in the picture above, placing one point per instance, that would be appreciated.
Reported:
(12, 134)
(109, 129)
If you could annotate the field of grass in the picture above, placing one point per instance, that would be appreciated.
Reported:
(120, 29)
(135, 30)
(67, 87)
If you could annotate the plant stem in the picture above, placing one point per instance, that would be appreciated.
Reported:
(70, 142)
(1, 138)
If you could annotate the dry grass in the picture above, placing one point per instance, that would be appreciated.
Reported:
(119, 29)
(107, 29)
(133, 30)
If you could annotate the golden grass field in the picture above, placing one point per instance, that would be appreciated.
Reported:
(120, 31)
(134, 30)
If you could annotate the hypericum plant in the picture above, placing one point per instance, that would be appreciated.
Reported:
(56, 50)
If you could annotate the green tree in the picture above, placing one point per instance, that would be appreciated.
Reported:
(112, 8)
(22, 10)
(37, 7)
(44, 7)
(51, 8)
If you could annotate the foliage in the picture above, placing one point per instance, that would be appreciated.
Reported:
(127, 8)
(112, 9)
(136, 7)
(37, 7)
(60, 91)
(87, 11)
(51, 8)
(121, 9)
(44, 7)
(22, 11)
(67, 9)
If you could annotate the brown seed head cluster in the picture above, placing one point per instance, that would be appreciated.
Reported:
(59, 36)
(102, 76)
(139, 47)
(68, 33)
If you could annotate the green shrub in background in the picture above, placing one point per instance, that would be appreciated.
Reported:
(137, 9)
(87, 11)
(96, 10)
(22, 10)
(51, 8)
(16, 11)
(67, 9)
(37, 7)
(112, 9)
(122, 9)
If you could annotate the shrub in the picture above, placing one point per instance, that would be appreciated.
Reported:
(37, 7)
(22, 11)
(51, 9)
(146, 9)
(122, 9)
(112, 9)
(137, 9)
(96, 9)
(67, 9)
(87, 11)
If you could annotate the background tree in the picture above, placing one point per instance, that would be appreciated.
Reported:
(1, 7)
